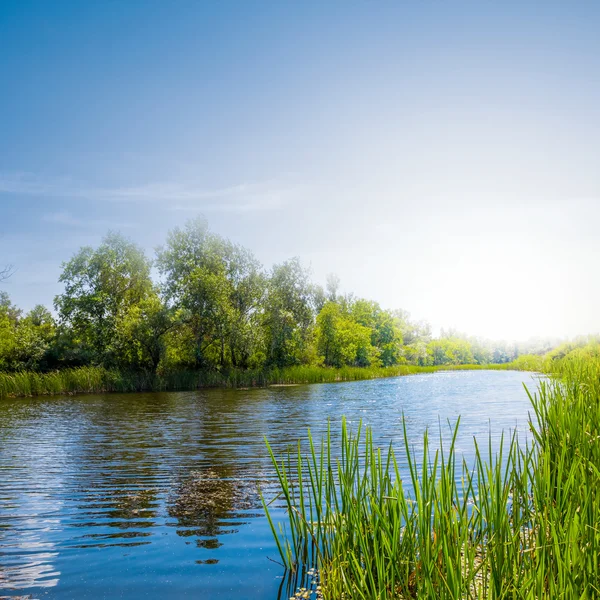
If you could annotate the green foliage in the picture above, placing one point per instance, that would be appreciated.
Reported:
(34, 336)
(288, 315)
(101, 286)
(216, 309)
(25, 342)
(98, 379)
(8, 324)
(341, 340)
(141, 333)
(385, 329)
(217, 288)
(450, 351)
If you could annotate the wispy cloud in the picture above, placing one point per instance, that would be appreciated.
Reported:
(271, 200)
(246, 197)
(68, 219)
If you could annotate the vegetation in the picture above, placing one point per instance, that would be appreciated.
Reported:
(520, 523)
(216, 312)
(83, 380)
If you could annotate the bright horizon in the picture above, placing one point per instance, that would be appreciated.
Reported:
(439, 158)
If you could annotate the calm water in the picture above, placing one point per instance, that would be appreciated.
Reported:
(154, 495)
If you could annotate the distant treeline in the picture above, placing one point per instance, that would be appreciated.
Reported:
(215, 308)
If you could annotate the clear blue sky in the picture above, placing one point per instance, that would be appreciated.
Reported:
(439, 156)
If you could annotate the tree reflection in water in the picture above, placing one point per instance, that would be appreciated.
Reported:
(205, 503)
(122, 509)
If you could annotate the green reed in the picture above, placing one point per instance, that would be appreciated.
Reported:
(101, 380)
(522, 522)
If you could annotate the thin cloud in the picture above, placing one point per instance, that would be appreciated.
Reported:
(246, 197)
(22, 183)
(66, 218)
(249, 203)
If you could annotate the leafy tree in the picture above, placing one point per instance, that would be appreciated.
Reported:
(25, 342)
(341, 340)
(482, 354)
(415, 337)
(207, 313)
(141, 333)
(9, 316)
(101, 285)
(184, 252)
(218, 287)
(216, 308)
(8, 308)
(247, 291)
(450, 351)
(319, 298)
(288, 315)
(35, 336)
(386, 335)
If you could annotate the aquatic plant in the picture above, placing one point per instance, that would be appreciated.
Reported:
(100, 380)
(522, 522)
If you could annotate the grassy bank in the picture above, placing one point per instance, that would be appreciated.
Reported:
(522, 523)
(86, 380)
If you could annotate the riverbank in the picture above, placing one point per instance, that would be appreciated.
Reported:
(520, 523)
(88, 380)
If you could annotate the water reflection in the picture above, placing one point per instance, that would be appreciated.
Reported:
(27, 560)
(155, 494)
(206, 503)
(38, 572)
(303, 584)
(29, 512)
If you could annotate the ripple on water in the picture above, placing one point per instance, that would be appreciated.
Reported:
(156, 494)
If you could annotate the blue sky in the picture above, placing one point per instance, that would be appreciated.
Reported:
(441, 157)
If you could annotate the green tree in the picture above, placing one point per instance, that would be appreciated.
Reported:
(288, 315)
(482, 354)
(218, 287)
(341, 340)
(9, 316)
(25, 341)
(247, 291)
(141, 333)
(332, 287)
(35, 336)
(415, 336)
(101, 285)
(450, 351)
(386, 335)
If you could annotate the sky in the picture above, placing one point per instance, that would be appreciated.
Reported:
(438, 156)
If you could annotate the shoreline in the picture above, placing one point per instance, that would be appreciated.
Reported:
(98, 380)
(521, 521)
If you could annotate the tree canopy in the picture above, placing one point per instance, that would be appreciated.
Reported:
(214, 306)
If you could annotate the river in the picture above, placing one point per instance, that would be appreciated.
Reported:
(155, 495)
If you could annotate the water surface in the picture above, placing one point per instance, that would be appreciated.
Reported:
(154, 495)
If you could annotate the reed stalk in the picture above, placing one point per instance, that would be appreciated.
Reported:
(85, 380)
(519, 522)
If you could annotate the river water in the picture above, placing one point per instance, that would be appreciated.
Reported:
(155, 495)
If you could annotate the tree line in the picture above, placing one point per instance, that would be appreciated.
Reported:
(215, 307)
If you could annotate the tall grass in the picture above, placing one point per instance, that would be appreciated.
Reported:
(523, 522)
(84, 380)
(100, 380)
